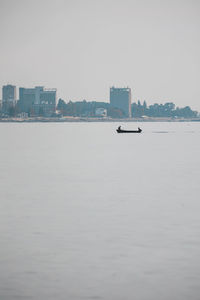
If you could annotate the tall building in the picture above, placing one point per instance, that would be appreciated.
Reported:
(121, 98)
(8, 97)
(37, 101)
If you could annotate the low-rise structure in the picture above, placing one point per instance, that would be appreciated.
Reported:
(101, 112)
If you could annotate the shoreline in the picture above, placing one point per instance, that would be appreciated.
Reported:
(85, 119)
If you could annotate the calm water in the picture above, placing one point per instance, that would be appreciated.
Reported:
(86, 213)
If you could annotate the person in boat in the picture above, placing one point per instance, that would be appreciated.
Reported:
(119, 128)
(139, 129)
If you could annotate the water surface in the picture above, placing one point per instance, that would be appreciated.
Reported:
(86, 213)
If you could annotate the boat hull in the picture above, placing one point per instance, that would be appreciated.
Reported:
(129, 131)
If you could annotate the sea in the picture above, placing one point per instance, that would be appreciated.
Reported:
(90, 214)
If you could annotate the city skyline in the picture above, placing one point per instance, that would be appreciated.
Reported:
(41, 102)
(82, 49)
(57, 98)
(119, 92)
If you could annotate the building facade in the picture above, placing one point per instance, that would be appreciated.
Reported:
(37, 101)
(121, 98)
(8, 98)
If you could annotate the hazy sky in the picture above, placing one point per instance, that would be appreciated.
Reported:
(82, 47)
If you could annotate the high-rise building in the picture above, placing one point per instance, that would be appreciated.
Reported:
(121, 98)
(37, 101)
(8, 97)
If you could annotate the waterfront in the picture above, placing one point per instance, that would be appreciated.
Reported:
(95, 119)
(86, 213)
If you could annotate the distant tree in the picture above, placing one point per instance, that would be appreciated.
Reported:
(185, 112)
(84, 108)
(144, 105)
(136, 110)
(115, 113)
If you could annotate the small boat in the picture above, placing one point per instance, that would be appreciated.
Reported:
(119, 130)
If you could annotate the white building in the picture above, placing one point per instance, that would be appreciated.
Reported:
(101, 112)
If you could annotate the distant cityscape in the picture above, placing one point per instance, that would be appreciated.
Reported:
(41, 102)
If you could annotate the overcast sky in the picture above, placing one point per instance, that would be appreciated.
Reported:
(82, 47)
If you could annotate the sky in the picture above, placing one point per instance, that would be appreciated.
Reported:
(83, 47)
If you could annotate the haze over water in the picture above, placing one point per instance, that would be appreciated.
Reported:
(86, 213)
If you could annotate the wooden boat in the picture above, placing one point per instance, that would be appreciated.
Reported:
(119, 130)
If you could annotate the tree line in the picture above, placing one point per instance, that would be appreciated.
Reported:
(87, 109)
